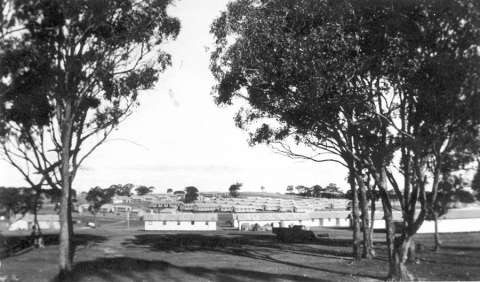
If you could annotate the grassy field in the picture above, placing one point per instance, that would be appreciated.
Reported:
(115, 253)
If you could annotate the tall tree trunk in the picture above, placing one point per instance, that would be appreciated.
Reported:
(37, 232)
(402, 251)
(433, 204)
(355, 218)
(367, 240)
(398, 247)
(70, 225)
(438, 243)
(390, 237)
(389, 226)
(65, 248)
(372, 222)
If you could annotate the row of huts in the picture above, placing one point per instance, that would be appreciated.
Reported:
(245, 220)
(456, 220)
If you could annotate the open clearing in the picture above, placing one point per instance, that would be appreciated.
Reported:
(113, 253)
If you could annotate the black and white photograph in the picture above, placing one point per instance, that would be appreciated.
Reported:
(239, 140)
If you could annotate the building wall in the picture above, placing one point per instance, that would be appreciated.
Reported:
(334, 222)
(444, 225)
(327, 222)
(18, 225)
(379, 224)
(276, 223)
(451, 225)
(49, 224)
(27, 225)
(184, 225)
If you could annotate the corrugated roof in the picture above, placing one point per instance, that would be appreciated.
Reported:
(41, 217)
(168, 210)
(329, 214)
(181, 216)
(277, 216)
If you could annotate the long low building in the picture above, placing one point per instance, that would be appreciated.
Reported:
(243, 221)
(455, 220)
(182, 221)
(45, 222)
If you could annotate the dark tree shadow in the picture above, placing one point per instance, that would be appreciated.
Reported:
(19, 244)
(461, 248)
(110, 269)
(260, 247)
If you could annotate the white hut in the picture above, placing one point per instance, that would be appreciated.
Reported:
(285, 219)
(268, 218)
(329, 218)
(181, 221)
(45, 221)
(455, 220)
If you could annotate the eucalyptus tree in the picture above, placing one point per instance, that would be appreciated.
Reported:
(69, 76)
(234, 188)
(144, 190)
(433, 66)
(293, 65)
(391, 89)
(97, 197)
(191, 194)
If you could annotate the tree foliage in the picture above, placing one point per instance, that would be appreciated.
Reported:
(317, 191)
(475, 185)
(97, 197)
(451, 191)
(70, 74)
(89, 57)
(17, 200)
(390, 90)
(234, 188)
(144, 190)
(122, 190)
(191, 194)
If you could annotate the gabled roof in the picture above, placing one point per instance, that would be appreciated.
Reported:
(181, 216)
(40, 217)
(271, 216)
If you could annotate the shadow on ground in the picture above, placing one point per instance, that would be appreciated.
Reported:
(15, 245)
(259, 247)
(113, 269)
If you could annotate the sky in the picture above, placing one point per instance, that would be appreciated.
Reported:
(179, 137)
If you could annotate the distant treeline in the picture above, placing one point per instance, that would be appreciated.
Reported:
(331, 191)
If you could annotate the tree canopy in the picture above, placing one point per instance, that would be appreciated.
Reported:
(191, 194)
(387, 89)
(97, 197)
(122, 190)
(71, 73)
(144, 190)
(475, 185)
(234, 188)
(17, 200)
